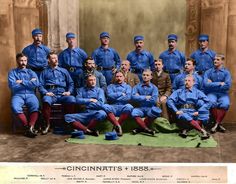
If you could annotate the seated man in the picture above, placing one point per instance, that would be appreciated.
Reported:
(118, 94)
(189, 70)
(191, 107)
(145, 93)
(162, 81)
(217, 82)
(90, 68)
(23, 82)
(93, 98)
(56, 86)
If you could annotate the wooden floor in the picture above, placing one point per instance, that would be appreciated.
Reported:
(53, 148)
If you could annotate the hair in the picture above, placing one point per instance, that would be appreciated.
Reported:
(158, 60)
(20, 55)
(222, 56)
(191, 59)
(88, 76)
(190, 75)
(88, 58)
(119, 71)
(51, 53)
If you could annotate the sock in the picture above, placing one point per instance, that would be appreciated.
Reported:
(123, 117)
(79, 126)
(46, 111)
(196, 125)
(23, 119)
(92, 124)
(111, 117)
(221, 114)
(140, 122)
(33, 118)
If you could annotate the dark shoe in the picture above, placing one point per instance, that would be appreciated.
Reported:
(45, 130)
(214, 128)
(118, 130)
(93, 133)
(221, 128)
(32, 131)
(149, 131)
(136, 131)
(205, 135)
(183, 133)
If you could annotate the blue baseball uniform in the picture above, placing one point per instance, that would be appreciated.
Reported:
(179, 82)
(72, 60)
(93, 109)
(106, 60)
(37, 57)
(24, 93)
(189, 101)
(173, 62)
(141, 61)
(217, 93)
(118, 96)
(204, 60)
(56, 80)
(147, 106)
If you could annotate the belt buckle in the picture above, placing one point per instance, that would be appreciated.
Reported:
(100, 68)
(52, 87)
(72, 69)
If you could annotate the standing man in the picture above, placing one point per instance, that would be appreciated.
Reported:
(179, 82)
(107, 59)
(140, 59)
(23, 82)
(162, 80)
(173, 59)
(37, 52)
(93, 98)
(90, 69)
(217, 82)
(191, 107)
(204, 57)
(118, 95)
(56, 86)
(145, 94)
(72, 58)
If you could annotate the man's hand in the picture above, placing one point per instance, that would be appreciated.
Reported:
(148, 97)
(66, 93)
(33, 79)
(179, 112)
(114, 70)
(222, 83)
(19, 81)
(163, 98)
(195, 113)
(50, 94)
(123, 94)
(208, 80)
(93, 100)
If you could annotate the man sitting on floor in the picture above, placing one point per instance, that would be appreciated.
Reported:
(145, 94)
(191, 107)
(93, 98)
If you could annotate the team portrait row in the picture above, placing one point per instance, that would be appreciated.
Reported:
(192, 92)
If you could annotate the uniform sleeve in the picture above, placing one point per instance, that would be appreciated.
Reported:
(12, 81)
(175, 84)
(117, 59)
(203, 103)
(60, 59)
(31, 84)
(228, 82)
(172, 101)
(136, 79)
(151, 61)
(42, 89)
(210, 85)
(69, 81)
(111, 94)
(102, 82)
(94, 56)
(84, 55)
(80, 99)
(183, 60)
(154, 95)
(136, 96)
(127, 96)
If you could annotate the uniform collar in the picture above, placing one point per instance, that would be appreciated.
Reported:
(102, 48)
(148, 85)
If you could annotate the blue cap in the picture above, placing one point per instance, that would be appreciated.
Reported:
(37, 31)
(111, 136)
(138, 37)
(78, 134)
(203, 37)
(172, 37)
(104, 34)
(70, 35)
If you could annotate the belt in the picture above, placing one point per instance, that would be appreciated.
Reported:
(172, 72)
(104, 68)
(136, 70)
(51, 86)
(72, 68)
(36, 69)
(187, 106)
